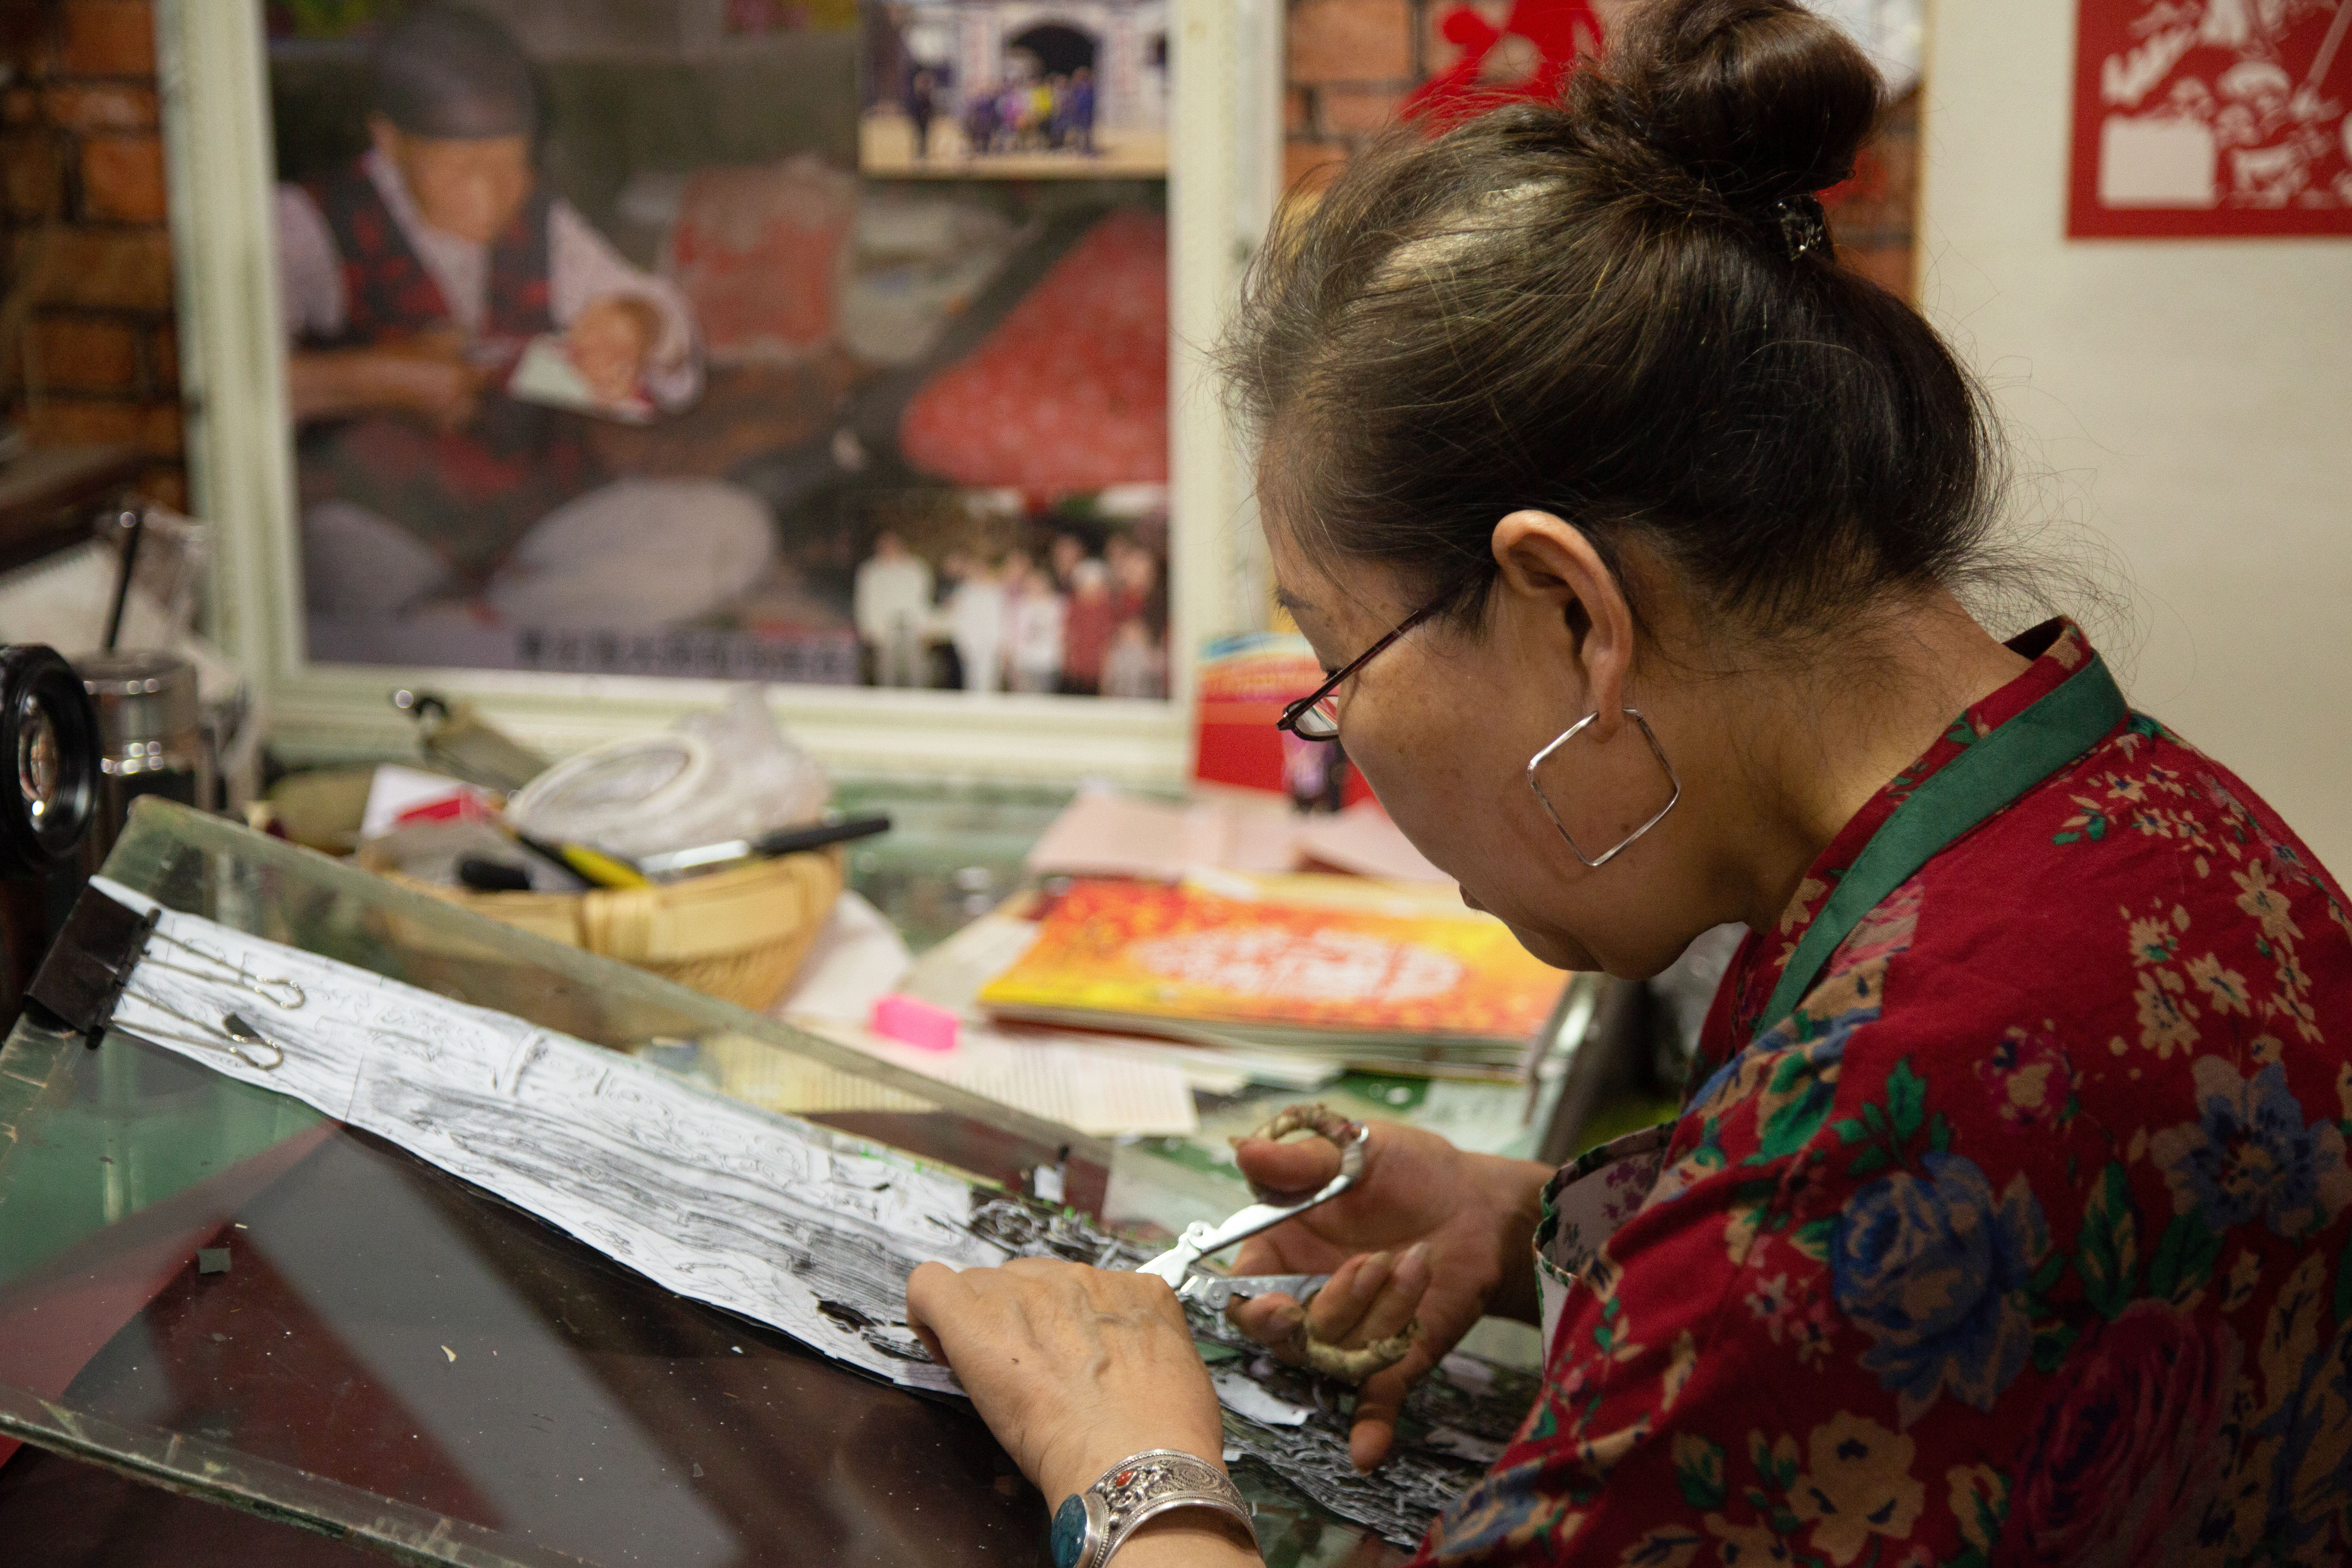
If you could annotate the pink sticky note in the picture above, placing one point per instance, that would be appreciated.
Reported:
(914, 1023)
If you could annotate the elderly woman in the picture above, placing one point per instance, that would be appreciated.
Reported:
(2006, 1219)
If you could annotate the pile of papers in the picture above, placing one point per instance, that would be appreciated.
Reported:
(1106, 835)
(860, 959)
(1178, 949)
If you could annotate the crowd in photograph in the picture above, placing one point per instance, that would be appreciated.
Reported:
(1045, 113)
(1062, 619)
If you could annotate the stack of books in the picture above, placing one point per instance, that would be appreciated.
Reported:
(1385, 976)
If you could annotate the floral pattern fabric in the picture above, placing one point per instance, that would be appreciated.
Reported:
(1582, 1207)
(2022, 1241)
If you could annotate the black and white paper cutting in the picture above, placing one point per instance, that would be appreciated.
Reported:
(784, 1222)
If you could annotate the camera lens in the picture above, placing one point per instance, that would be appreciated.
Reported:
(47, 722)
(39, 768)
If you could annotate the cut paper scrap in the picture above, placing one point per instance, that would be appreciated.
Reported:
(1241, 1397)
(545, 374)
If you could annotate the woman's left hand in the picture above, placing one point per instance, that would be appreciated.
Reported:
(1073, 1368)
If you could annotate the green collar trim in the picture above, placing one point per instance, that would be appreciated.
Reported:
(1994, 771)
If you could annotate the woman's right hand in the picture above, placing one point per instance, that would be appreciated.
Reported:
(1428, 1232)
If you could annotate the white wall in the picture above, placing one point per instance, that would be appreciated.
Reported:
(2191, 401)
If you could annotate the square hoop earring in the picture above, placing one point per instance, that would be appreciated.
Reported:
(1673, 785)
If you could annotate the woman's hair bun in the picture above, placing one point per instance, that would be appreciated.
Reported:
(1761, 100)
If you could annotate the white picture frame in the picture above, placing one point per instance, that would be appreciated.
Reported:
(1225, 178)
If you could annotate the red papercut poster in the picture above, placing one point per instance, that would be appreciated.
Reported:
(2205, 118)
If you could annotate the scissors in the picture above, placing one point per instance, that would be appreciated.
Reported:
(1178, 1264)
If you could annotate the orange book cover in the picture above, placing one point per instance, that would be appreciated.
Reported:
(1291, 957)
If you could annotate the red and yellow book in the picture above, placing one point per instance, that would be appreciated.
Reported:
(1389, 976)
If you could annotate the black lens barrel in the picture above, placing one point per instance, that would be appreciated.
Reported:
(49, 746)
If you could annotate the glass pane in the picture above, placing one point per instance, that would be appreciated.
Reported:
(390, 1354)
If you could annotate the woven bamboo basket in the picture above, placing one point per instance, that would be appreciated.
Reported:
(739, 935)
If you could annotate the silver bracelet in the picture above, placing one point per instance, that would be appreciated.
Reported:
(1092, 1524)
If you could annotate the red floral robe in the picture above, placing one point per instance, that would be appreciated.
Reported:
(2021, 1240)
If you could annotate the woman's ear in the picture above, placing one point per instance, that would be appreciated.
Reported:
(1555, 583)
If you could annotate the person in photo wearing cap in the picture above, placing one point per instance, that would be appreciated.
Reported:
(411, 280)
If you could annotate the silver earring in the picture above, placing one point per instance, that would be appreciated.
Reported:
(1673, 784)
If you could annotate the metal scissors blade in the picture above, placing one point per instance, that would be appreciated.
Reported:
(1218, 1291)
(1201, 1239)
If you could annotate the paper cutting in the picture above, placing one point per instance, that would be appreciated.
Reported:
(790, 1223)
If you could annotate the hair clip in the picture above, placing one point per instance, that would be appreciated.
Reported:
(1804, 227)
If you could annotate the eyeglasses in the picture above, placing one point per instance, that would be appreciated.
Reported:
(1315, 716)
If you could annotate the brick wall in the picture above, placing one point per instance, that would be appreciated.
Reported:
(1352, 62)
(87, 344)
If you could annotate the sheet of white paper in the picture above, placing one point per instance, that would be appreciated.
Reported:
(1104, 834)
(1103, 1092)
(1363, 840)
(858, 959)
(951, 973)
(1100, 834)
(778, 1220)
(545, 374)
(395, 790)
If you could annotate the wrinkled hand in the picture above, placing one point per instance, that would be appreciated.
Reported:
(1428, 1232)
(1073, 1368)
(609, 341)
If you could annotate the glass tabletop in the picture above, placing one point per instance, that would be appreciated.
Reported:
(214, 1291)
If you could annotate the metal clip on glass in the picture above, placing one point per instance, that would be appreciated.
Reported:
(279, 992)
(87, 974)
(1201, 1239)
(240, 1034)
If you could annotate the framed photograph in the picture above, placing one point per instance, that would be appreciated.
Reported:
(578, 357)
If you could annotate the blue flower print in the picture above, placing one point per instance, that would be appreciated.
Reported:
(2249, 1155)
(2314, 1463)
(1933, 1267)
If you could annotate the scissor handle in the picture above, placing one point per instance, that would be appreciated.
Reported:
(1202, 1239)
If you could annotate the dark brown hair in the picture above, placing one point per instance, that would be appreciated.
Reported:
(1590, 307)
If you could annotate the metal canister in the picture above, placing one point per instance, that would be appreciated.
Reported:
(151, 734)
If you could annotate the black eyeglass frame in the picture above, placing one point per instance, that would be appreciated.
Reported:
(1297, 711)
